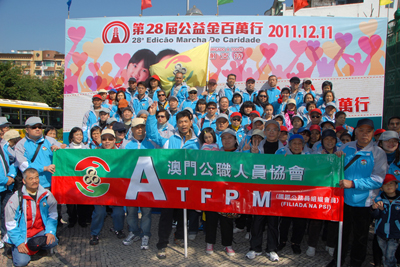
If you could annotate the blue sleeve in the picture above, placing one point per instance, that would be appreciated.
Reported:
(152, 132)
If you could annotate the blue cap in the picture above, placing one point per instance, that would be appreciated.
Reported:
(368, 122)
(112, 90)
(296, 136)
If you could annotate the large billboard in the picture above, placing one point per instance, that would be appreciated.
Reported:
(350, 52)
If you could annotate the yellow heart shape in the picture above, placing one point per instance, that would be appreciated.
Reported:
(256, 55)
(73, 68)
(93, 49)
(331, 49)
(369, 28)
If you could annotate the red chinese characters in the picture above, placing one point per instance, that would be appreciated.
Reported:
(359, 104)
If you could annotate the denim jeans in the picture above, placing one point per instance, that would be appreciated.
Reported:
(99, 214)
(389, 248)
(4, 197)
(193, 217)
(22, 259)
(133, 221)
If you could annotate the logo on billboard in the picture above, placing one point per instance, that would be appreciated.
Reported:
(120, 33)
(92, 186)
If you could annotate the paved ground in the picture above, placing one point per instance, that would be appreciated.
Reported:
(74, 250)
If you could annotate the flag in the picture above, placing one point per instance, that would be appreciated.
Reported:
(69, 4)
(385, 2)
(192, 63)
(299, 4)
(222, 2)
(146, 4)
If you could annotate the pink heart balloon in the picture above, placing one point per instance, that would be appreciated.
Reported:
(76, 34)
(347, 38)
(364, 44)
(98, 80)
(298, 47)
(79, 58)
(218, 62)
(376, 42)
(94, 68)
(268, 51)
(122, 60)
(314, 44)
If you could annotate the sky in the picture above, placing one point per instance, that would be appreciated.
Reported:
(40, 24)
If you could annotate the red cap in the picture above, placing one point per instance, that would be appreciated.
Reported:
(315, 127)
(250, 79)
(155, 76)
(97, 96)
(316, 110)
(255, 112)
(234, 114)
(284, 129)
(379, 131)
(389, 178)
(340, 128)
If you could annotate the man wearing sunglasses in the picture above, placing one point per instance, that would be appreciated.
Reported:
(315, 116)
(36, 151)
(209, 120)
(191, 101)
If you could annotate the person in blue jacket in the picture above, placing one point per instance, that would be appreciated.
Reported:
(295, 92)
(131, 90)
(386, 211)
(26, 149)
(210, 94)
(180, 88)
(230, 88)
(91, 117)
(191, 101)
(365, 169)
(249, 93)
(140, 101)
(237, 101)
(273, 92)
(154, 87)
(209, 120)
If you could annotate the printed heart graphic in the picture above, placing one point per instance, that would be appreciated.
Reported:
(94, 68)
(79, 58)
(73, 69)
(218, 62)
(369, 28)
(122, 60)
(376, 43)
(343, 39)
(93, 49)
(331, 49)
(314, 54)
(370, 45)
(268, 51)
(298, 47)
(314, 44)
(75, 34)
(256, 55)
(248, 51)
(93, 82)
(68, 89)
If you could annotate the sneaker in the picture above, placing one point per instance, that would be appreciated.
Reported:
(192, 237)
(296, 249)
(161, 254)
(247, 236)
(272, 256)
(281, 246)
(252, 254)
(94, 240)
(145, 242)
(120, 234)
(229, 251)
(237, 230)
(174, 224)
(210, 249)
(130, 239)
(180, 242)
(310, 251)
(330, 250)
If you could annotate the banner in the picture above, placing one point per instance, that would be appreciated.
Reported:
(304, 186)
(350, 52)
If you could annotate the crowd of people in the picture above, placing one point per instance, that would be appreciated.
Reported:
(292, 120)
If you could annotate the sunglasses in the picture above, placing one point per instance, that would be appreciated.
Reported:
(120, 132)
(160, 116)
(262, 96)
(193, 93)
(316, 116)
(35, 127)
(308, 82)
(211, 108)
(236, 119)
(107, 138)
(161, 95)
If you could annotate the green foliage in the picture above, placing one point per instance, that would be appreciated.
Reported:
(18, 86)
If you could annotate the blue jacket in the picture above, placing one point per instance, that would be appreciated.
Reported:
(279, 108)
(188, 103)
(89, 119)
(174, 142)
(299, 98)
(214, 97)
(146, 143)
(285, 150)
(16, 220)
(245, 120)
(182, 93)
(12, 172)
(247, 97)
(206, 122)
(273, 94)
(228, 93)
(260, 110)
(24, 151)
(142, 104)
(155, 95)
(387, 225)
(240, 134)
(172, 118)
(234, 108)
(367, 173)
(129, 96)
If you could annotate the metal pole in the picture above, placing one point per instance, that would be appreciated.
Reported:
(339, 251)
(68, 14)
(185, 227)
(187, 5)
(217, 8)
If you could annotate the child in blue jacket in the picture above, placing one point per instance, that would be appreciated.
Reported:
(386, 210)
